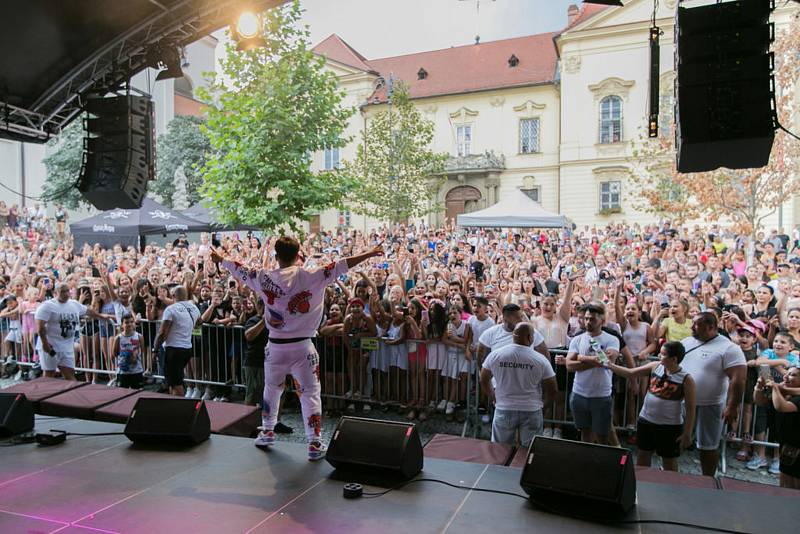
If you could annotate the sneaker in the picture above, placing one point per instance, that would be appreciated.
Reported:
(348, 395)
(216, 399)
(557, 433)
(775, 466)
(18, 376)
(197, 394)
(351, 408)
(112, 383)
(548, 433)
(449, 408)
(223, 399)
(189, 393)
(756, 463)
(207, 395)
(265, 438)
(316, 451)
(366, 408)
(432, 406)
(442, 406)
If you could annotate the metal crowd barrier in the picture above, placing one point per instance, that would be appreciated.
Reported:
(355, 373)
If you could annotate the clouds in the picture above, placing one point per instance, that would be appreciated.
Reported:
(380, 28)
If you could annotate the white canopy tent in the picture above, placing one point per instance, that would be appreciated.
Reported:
(516, 211)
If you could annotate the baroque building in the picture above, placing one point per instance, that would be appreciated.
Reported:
(555, 115)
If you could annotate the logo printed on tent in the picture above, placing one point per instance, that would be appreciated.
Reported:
(159, 214)
(117, 214)
(176, 227)
(106, 228)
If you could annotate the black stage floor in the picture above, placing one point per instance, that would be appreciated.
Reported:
(104, 484)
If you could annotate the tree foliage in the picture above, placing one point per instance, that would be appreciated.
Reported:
(63, 168)
(184, 144)
(399, 172)
(269, 111)
(746, 197)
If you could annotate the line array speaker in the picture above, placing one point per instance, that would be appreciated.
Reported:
(119, 151)
(724, 88)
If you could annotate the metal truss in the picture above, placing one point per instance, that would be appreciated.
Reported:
(177, 23)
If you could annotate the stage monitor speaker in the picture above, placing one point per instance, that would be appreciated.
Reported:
(119, 151)
(168, 421)
(725, 112)
(387, 446)
(16, 414)
(596, 480)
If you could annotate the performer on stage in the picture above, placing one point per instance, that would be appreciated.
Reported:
(293, 305)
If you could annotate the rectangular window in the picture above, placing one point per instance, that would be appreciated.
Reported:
(463, 140)
(343, 219)
(332, 158)
(534, 193)
(528, 136)
(610, 195)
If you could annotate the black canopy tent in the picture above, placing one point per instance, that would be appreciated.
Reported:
(126, 227)
(201, 213)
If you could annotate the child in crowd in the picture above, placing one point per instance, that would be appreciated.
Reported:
(127, 352)
(662, 426)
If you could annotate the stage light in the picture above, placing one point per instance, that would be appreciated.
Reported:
(246, 31)
(248, 25)
(171, 63)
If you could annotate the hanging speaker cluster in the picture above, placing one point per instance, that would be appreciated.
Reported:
(119, 151)
(724, 88)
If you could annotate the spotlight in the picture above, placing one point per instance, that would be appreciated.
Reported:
(171, 63)
(248, 25)
(247, 31)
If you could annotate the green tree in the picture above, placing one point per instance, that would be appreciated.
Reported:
(269, 111)
(63, 168)
(399, 172)
(184, 144)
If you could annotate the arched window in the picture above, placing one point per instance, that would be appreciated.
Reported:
(611, 119)
(183, 87)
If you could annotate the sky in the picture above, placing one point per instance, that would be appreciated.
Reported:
(380, 28)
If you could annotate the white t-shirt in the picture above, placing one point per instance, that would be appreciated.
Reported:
(594, 382)
(478, 327)
(518, 372)
(293, 297)
(707, 365)
(61, 319)
(497, 336)
(183, 315)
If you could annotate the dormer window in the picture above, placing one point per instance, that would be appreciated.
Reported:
(422, 74)
(513, 61)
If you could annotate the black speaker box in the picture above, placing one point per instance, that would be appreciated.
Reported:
(724, 89)
(387, 446)
(119, 151)
(16, 414)
(168, 421)
(596, 480)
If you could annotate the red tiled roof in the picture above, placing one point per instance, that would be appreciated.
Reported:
(335, 48)
(463, 69)
(476, 67)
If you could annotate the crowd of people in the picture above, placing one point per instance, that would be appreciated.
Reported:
(676, 333)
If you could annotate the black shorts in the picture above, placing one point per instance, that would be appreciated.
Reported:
(175, 360)
(132, 381)
(663, 439)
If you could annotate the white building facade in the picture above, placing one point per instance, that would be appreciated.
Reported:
(555, 115)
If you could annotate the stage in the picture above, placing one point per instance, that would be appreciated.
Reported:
(106, 484)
